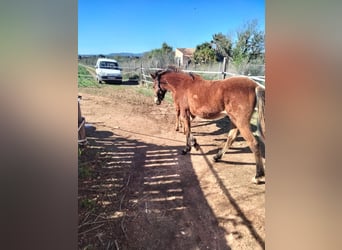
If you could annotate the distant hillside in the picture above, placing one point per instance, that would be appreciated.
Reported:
(126, 54)
(123, 54)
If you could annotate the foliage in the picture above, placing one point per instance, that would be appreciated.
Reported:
(160, 58)
(166, 48)
(249, 47)
(88, 60)
(204, 53)
(246, 54)
(223, 46)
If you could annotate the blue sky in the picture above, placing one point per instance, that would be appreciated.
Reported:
(110, 26)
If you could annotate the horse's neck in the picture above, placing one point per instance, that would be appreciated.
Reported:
(175, 85)
(171, 87)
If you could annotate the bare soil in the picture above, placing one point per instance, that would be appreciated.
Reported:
(136, 190)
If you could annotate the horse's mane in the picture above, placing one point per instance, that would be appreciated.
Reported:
(173, 68)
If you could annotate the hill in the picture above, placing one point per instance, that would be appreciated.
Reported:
(127, 54)
(122, 54)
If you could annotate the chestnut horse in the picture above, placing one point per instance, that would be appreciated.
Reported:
(236, 96)
(179, 122)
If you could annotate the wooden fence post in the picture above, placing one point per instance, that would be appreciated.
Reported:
(141, 75)
(224, 67)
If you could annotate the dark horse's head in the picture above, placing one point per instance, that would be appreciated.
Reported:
(159, 91)
(159, 82)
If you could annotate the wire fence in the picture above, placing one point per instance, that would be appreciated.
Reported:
(142, 74)
(146, 79)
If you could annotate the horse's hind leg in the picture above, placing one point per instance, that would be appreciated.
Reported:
(232, 134)
(254, 145)
(177, 119)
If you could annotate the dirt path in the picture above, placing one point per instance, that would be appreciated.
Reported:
(143, 194)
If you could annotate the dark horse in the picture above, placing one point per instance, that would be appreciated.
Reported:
(236, 96)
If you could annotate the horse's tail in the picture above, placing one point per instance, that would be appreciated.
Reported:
(260, 94)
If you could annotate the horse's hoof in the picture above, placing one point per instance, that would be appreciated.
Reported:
(197, 146)
(185, 151)
(258, 180)
(216, 158)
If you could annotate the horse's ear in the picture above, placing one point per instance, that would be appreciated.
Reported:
(153, 75)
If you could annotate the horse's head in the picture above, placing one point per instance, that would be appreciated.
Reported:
(161, 81)
(159, 91)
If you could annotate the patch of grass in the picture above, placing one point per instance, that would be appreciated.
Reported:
(149, 92)
(84, 168)
(88, 204)
(85, 79)
(145, 91)
(84, 171)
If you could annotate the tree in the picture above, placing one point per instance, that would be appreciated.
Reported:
(223, 46)
(160, 58)
(204, 53)
(250, 42)
(249, 46)
(166, 49)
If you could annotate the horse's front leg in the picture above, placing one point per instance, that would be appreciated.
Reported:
(190, 139)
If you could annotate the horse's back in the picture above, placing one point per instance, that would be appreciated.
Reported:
(240, 81)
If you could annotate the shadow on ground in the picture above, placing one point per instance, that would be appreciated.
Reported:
(222, 125)
(130, 82)
(136, 195)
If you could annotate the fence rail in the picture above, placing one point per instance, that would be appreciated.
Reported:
(145, 77)
(260, 80)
